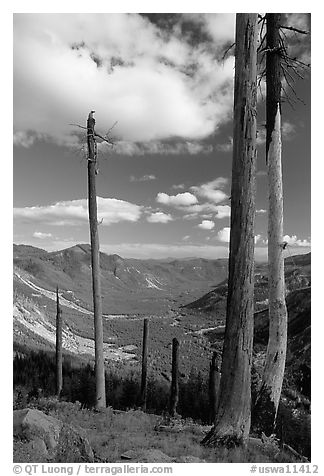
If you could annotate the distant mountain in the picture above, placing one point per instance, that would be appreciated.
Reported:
(128, 285)
(297, 275)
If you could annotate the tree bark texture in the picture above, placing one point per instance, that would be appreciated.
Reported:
(59, 352)
(95, 264)
(144, 364)
(267, 403)
(232, 423)
(174, 397)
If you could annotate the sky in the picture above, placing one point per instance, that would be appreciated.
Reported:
(161, 83)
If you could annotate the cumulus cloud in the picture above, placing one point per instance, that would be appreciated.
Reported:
(224, 234)
(75, 212)
(206, 225)
(159, 217)
(294, 241)
(181, 199)
(212, 190)
(154, 83)
(41, 235)
(144, 178)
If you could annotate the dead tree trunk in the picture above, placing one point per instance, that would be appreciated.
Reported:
(268, 399)
(144, 366)
(95, 264)
(232, 423)
(58, 354)
(214, 380)
(174, 396)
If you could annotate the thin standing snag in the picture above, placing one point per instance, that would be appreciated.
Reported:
(58, 354)
(174, 396)
(95, 264)
(144, 365)
(267, 402)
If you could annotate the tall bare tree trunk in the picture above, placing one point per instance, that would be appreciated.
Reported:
(144, 365)
(268, 399)
(95, 264)
(58, 354)
(232, 423)
(174, 396)
(214, 380)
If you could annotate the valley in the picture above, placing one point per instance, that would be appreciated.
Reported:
(172, 294)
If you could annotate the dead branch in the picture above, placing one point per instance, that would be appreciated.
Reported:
(78, 125)
(109, 130)
(96, 134)
(228, 49)
(296, 30)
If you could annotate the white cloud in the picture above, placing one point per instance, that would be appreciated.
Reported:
(144, 178)
(23, 139)
(212, 190)
(123, 67)
(224, 234)
(180, 186)
(123, 147)
(223, 211)
(181, 199)
(159, 217)
(75, 212)
(257, 239)
(220, 26)
(287, 131)
(261, 211)
(192, 211)
(294, 241)
(206, 225)
(227, 146)
(41, 235)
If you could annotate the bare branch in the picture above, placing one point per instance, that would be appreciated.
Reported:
(109, 130)
(263, 37)
(271, 50)
(103, 138)
(228, 49)
(78, 125)
(297, 30)
(109, 141)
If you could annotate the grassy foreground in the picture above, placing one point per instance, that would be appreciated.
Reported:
(112, 433)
